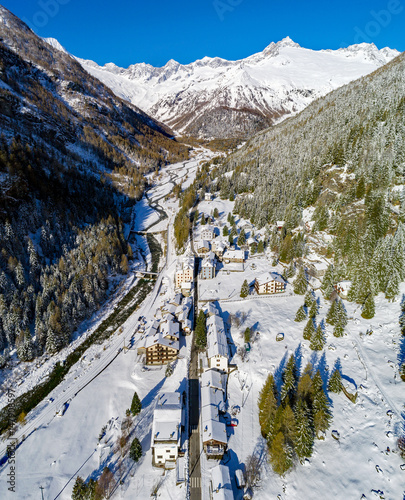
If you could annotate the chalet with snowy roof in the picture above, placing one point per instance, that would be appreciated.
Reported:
(168, 417)
(270, 283)
(280, 224)
(210, 309)
(213, 378)
(176, 300)
(343, 288)
(170, 330)
(208, 267)
(214, 436)
(208, 197)
(217, 344)
(220, 485)
(237, 256)
(219, 247)
(207, 233)
(202, 247)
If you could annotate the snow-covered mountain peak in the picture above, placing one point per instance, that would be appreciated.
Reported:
(55, 44)
(214, 97)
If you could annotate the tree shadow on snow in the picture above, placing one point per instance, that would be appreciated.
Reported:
(278, 373)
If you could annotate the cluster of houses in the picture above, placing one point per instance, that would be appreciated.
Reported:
(161, 339)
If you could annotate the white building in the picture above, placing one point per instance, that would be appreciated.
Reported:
(234, 256)
(269, 283)
(166, 429)
(208, 267)
(217, 345)
(203, 246)
(343, 288)
(185, 271)
(221, 487)
(207, 233)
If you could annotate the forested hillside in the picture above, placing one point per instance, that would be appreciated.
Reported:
(73, 159)
(343, 159)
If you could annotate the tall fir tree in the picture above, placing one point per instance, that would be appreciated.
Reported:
(280, 455)
(309, 329)
(368, 307)
(317, 339)
(136, 405)
(301, 314)
(304, 439)
(300, 283)
(289, 380)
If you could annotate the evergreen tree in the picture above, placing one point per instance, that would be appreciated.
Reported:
(225, 231)
(335, 381)
(136, 405)
(201, 331)
(244, 291)
(338, 330)
(289, 380)
(231, 240)
(301, 314)
(317, 339)
(328, 282)
(267, 406)
(393, 286)
(216, 213)
(203, 221)
(368, 307)
(313, 310)
(135, 451)
(309, 299)
(260, 247)
(242, 238)
(309, 329)
(288, 425)
(300, 283)
(320, 405)
(304, 440)
(331, 315)
(290, 271)
(246, 335)
(280, 455)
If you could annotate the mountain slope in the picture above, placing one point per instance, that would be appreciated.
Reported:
(72, 163)
(340, 163)
(213, 97)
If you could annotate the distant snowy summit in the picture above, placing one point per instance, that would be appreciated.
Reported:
(217, 98)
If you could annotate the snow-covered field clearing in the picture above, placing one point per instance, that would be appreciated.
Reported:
(356, 464)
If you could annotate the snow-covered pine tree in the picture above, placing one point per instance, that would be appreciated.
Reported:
(244, 291)
(301, 314)
(304, 438)
(317, 339)
(289, 380)
(368, 307)
(309, 329)
(335, 381)
(300, 283)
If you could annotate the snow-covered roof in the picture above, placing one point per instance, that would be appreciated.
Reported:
(212, 396)
(203, 244)
(221, 483)
(235, 254)
(210, 309)
(216, 338)
(268, 277)
(170, 329)
(167, 417)
(176, 301)
(188, 262)
(214, 429)
(212, 378)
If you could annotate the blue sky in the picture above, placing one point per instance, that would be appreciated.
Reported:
(154, 31)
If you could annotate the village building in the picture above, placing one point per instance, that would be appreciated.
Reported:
(185, 271)
(207, 197)
(207, 233)
(208, 267)
(210, 309)
(342, 288)
(234, 256)
(186, 288)
(217, 344)
(167, 427)
(220, 486)
(202, 247)
(219, 247)
(269, 283)
(214, 436)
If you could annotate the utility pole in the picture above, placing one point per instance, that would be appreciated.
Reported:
(42, 491)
